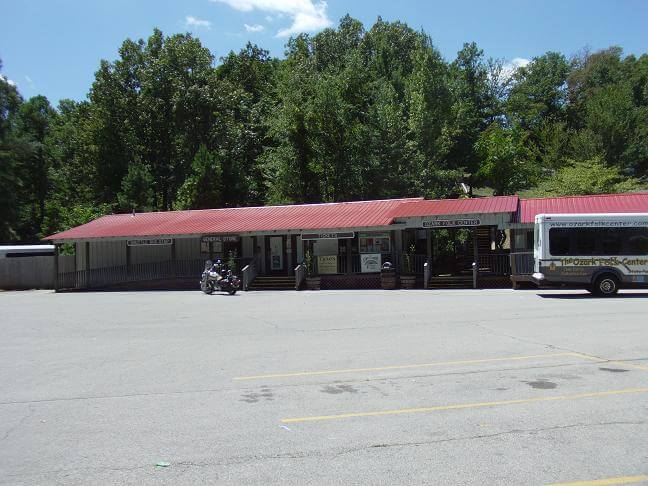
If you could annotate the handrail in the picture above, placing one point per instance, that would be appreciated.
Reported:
(300, 275)
(522, 263)
(249, 273)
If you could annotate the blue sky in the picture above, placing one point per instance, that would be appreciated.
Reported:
(53, 47)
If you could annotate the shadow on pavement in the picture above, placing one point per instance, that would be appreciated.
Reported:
(587, 295)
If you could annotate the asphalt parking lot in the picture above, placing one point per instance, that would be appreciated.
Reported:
(331, 387)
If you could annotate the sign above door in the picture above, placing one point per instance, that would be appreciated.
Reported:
(450, 223)
(150, 242)
(223, 238)
(327, 236)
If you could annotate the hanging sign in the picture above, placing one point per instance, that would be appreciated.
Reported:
(450, 223)
(327, 264)
(223, 238)
(327, 236)
(150, 242)
(370, 262)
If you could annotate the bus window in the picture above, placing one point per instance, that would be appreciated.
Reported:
(585, 241)
(559, 241)
(610, 239)
(636, 240)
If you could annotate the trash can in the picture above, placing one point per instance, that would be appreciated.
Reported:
(388, 277)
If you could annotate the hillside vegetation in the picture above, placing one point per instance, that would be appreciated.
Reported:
(347, 114)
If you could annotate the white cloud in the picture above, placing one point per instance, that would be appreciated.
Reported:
(254, 28)
(7, 80)
(191, 21)
(306, 16)
(509, 68)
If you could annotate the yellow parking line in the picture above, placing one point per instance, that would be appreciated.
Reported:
(618, 363)
(403, 367)
(606, 482)
(463, 406)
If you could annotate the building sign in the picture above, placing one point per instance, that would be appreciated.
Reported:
(450, 223)
(150, 242)
(370, 262)
(327, 236)
(223, 238)
(327, 264)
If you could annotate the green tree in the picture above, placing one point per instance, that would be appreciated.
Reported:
(507, 164)
(10, 182)
(203, 188)
(539, 92)
(33, 152)
(473, 109)
(591, 176)
(136, 189)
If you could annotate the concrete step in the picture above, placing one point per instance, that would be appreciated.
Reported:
(450, 282)
(273, 283)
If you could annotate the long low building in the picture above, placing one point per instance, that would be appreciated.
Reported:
(473, 242)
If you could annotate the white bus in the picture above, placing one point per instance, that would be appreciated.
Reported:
(599, 252)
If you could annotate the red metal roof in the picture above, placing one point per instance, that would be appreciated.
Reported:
(360, 214)
(605, 203)
(435, 207)
(239, 220)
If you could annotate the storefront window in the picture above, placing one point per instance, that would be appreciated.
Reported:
(374, 242)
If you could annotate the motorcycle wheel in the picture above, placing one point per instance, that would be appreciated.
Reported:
(231, 291)
(208, 289)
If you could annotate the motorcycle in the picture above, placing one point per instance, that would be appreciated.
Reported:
(210, 281)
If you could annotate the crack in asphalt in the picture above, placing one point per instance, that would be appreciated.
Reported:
(240, 460)
(496, 332)
(488, 436)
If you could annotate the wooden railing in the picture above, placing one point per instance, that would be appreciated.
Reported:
(417, 263)
(300, 276)
(249, 273)
(494, 264)
(140, 272)
(522, 263)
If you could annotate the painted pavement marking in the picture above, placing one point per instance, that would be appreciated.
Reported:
(458, 406)
(405, 367)
(607, 482)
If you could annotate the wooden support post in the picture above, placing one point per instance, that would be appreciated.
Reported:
(288, 254)
(56, 268)
(349, 260)
(428, 249)
(475, 258)
(86, 264)
(173, 257)
(128, 259)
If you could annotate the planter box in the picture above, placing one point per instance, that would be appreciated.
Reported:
(408, 281)
(313, 283)
(388, 279)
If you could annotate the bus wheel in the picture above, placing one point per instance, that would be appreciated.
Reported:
(606, 285)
